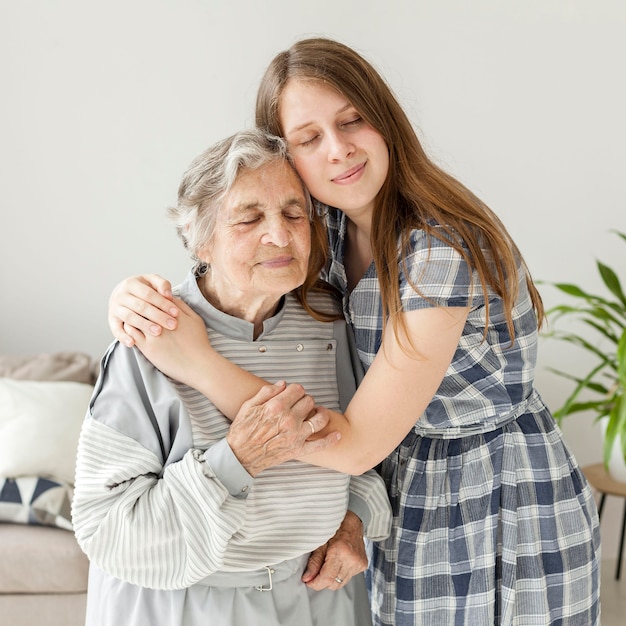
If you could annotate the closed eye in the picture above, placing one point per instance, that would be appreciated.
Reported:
(308, 142)
(249, 220)
(354, 122)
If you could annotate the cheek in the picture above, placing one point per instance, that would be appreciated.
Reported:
(309, 171)
(303, 243)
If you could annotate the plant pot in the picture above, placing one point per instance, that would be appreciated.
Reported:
(617, 465)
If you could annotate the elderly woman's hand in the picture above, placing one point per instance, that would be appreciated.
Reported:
(276, 425)
(341, 558)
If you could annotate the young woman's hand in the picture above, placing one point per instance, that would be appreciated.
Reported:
(143, 303)
(180, 353)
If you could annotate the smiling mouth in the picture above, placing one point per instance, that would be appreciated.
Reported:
(281, 261)
(350, 175)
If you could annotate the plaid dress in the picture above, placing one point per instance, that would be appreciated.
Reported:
(494, 522)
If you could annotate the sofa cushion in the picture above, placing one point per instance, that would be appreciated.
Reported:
(41, 559)
(72, 366)
(34, 500)
(40, 422)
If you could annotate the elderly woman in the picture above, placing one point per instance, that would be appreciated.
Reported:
(186, 518)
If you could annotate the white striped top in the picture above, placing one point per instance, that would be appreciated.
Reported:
(160, 499)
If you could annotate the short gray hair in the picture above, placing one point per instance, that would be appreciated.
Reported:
(212, 175)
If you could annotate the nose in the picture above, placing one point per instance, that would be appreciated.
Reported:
(277, 232)
(339, 146)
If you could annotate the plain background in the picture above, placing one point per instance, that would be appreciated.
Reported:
(104, 104)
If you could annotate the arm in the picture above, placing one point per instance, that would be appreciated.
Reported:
(386, 405)
(148, 508)
(136, 516)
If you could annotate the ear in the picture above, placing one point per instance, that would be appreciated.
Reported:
(204, 255)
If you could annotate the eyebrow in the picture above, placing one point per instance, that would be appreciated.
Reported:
(302, 126)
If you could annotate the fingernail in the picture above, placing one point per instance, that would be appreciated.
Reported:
(154, 330)
(173, 311)
(171, 324)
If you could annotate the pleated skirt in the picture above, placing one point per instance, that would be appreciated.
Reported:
(498, 528)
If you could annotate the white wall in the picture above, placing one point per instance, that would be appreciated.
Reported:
(104, 104)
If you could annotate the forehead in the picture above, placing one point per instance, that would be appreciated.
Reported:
(274, 183)
(303, 99)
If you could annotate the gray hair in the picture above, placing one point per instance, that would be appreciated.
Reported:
(212, 175)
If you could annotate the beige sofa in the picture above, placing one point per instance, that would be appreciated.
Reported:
(43, 572)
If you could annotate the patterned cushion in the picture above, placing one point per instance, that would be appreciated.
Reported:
(34, 500)
(30, 499)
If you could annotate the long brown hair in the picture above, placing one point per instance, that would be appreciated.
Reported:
(416, 193)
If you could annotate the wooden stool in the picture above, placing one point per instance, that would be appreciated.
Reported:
(600, 480)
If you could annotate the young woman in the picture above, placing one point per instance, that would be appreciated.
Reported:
(493, 521)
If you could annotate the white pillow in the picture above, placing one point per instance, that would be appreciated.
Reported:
(39, 427)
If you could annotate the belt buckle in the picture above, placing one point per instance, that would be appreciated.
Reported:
(270, 571)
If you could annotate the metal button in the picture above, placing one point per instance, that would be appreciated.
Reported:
(299, 347)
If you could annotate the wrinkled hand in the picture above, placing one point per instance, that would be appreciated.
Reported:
(143, 303)
(341, 557)
(277, 425)
(178, 354)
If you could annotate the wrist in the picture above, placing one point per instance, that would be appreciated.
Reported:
(201, 373)
(352, 522)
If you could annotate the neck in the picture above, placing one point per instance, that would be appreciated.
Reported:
(358, 254)
(255, 311)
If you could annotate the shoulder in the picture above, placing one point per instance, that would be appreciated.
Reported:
(433, 268)
(435, 251)
(435, 239)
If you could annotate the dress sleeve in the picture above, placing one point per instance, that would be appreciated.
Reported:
(439, 272)
(147, 508)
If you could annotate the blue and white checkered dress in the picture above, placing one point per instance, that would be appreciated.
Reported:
(493, 521)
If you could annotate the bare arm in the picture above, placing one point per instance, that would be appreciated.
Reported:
(395, 391)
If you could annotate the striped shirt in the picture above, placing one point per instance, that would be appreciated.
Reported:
(162, 502)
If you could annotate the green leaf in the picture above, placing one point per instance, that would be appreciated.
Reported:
(611, 281)
(579, 341)
(569, 403)
(611, 433)
(615, 428)
(605, 382)
(574, 290)
(621, 359)
(600, 406)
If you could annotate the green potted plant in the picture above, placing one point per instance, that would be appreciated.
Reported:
(602, 390)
